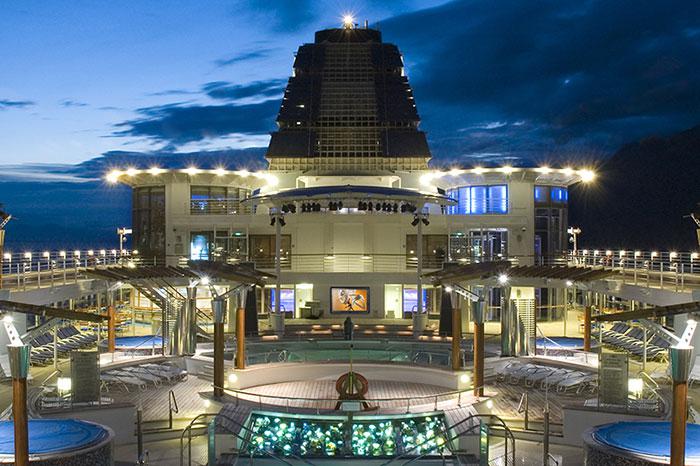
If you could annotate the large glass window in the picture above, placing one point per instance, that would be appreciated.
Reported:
(560, 195)
(200, 245)
(148, 217)
(479, 200)
(217, 200)
(434, 250)
(262, 251)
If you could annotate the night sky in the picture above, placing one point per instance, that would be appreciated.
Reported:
(518, 81)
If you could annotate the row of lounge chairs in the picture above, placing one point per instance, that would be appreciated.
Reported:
(69, 339)
(631, 339)
(561, 380)
(142, 376)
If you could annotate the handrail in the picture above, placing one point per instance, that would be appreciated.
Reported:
(407, 399)
(172, 401)
(450, 439)
(188, 429)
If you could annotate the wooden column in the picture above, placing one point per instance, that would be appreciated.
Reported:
(587, 328)
(679, 413)
(19, 368)
(111, 329)
(240, 337)
(218, 309)
(456, 339)
(478, 359)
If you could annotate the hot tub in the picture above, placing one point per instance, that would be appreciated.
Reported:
(642, 443)
(60, 442)
(145, 343)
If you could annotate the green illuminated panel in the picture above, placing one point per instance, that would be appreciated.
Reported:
(283, 435)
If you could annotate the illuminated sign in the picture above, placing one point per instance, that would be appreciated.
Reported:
(352, 300)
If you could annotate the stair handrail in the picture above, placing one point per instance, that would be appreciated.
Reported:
(172, 401)
(450, 439)
(245, 440)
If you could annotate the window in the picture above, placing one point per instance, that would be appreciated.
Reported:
(200, 245)
(262, 251)
(560, 195)
(479, 200)
(217, 200)
(148, 220)
(541, 193)
(434, 250)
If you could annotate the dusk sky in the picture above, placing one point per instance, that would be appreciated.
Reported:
(535, 81)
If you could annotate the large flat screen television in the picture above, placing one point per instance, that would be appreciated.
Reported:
(351, 300)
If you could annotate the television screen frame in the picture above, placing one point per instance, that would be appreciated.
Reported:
(367, 291)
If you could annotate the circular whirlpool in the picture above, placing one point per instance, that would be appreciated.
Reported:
(60, 442)
(642, 443)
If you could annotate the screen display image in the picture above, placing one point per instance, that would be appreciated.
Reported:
(287, 301)
(410, 300)
(349, 299)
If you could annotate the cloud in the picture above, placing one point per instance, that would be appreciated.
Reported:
(262, 90)
(281, 15)
(8, 103)
(40, 173)
(576, 72)
(243, 57)
(177, 124)
(172, 92)
(72, 103)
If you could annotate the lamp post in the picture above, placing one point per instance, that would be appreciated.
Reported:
(218, 306)
(574, 232)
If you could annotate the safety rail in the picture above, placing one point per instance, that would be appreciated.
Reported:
(328, 404)
(188, 430)
(30, 270)
(508, 456)
(676, 271)
(172, 408)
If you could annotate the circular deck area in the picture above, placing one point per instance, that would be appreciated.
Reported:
(638, 444)
(60, 441)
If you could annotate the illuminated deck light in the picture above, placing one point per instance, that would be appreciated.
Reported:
(113, 176)
(455, 172)
(586, 175)
(348, 21)
(694, 255)
(544, 169)
(503, 279)
(131, 171)
(155, 171)
(478, 170)
(192, 170)
(568, 171)
(507, 169)
(219, 171)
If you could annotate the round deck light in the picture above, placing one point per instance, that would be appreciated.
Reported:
(155, 171)
(464, 378)
(489, 404)
(569, 283)
(192, 170)
(7, 319)
(507, 169)
(586, 175)
(503, 279)
(232, 378)
(131, 171)
(113, 176)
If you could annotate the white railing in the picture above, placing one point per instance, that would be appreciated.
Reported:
(37, 269)
(677, 271)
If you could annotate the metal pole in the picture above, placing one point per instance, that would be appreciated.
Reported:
(111, 329)
(278, 265)
(139, 434)
(19, 366)
(55, 347)
(545, 439)
(478, 316)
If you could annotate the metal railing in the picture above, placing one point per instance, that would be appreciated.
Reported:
(675, 271)
(218, 206)
(329, 404)
(29, 270)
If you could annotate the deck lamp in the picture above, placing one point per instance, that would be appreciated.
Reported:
(62, 254)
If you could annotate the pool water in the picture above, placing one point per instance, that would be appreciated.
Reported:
(145, 342)
(53, 436)
(569, 343)
(647, 438)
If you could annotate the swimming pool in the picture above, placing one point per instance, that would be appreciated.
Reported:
(138, 343)
(639, 443)
(60, 441)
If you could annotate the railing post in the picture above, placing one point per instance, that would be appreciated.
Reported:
(661, 274)
(139, 434)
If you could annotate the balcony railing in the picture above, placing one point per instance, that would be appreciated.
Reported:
(677, 271)
(37, 269)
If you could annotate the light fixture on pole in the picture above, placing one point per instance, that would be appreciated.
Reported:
(123, 232)
(574, 232)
